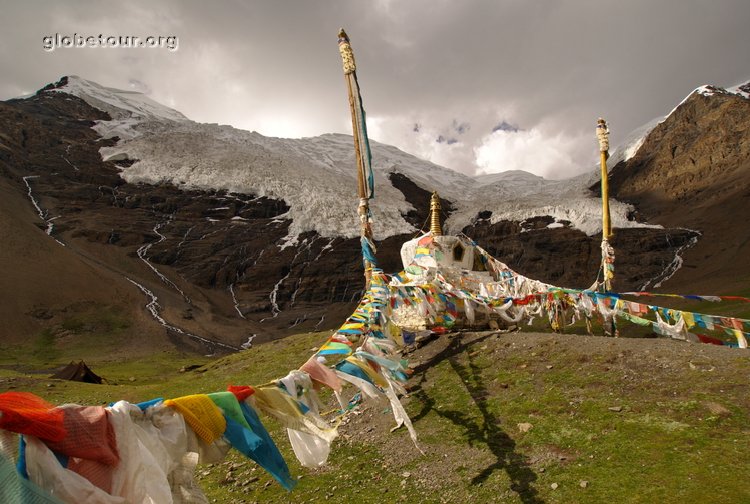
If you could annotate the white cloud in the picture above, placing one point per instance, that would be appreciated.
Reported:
(549, 156)
(541, 150)
(274, 67)
(453, 152)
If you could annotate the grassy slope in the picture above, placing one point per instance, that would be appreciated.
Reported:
(681, 433)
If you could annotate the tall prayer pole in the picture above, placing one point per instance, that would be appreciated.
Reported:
(362, 154)
(602, 134)
(608, 253)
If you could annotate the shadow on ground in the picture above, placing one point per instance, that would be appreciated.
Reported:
(485, 431)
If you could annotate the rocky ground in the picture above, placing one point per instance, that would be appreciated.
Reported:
(500, 417)
(532, 417)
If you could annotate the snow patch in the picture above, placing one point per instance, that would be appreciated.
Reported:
(118, 103)
(673, 266)
(630, 145)
(742, 90)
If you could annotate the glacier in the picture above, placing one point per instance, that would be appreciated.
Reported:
(315, 176)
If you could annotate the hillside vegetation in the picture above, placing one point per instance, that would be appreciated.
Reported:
(502, 417)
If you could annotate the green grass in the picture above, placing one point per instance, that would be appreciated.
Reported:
(664, 445)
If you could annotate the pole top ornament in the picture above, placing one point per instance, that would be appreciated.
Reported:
(347, 56)
(602, 134)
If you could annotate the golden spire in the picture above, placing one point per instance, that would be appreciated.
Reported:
(435, 227)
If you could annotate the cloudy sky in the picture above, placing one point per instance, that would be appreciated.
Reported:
(478, 86)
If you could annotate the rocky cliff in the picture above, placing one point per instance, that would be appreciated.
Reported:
(693, 171)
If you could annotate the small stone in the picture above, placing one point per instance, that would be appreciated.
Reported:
(50, 385)
(717, 409)
(549, 366)
(405, 474)
(616, 409)
(583, 484)
(132, 379)
(524, 427)
(554, 486)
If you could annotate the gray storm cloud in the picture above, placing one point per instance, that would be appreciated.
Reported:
(456, 70)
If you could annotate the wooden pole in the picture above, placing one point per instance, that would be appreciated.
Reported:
(608, 253)
(602, 133)
(363, 210)
(357, 151)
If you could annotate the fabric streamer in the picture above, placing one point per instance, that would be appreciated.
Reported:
(265, 452)
(16, 490)
(25, 413)
(321, 373)
(311, 450)
(277, 403)
(203, 416)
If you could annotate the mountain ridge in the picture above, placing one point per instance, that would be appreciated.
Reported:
(224, 266)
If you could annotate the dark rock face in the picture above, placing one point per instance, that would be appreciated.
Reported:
(567, 257)
(217, 252)
(419, 199)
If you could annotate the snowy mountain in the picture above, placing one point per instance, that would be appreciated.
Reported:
(118, 103)
(314, 176)
(220, 233)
